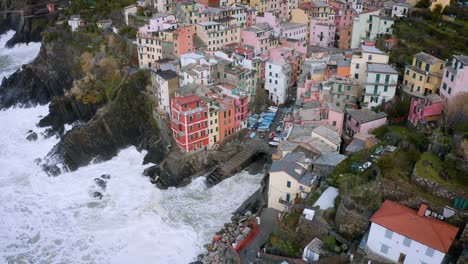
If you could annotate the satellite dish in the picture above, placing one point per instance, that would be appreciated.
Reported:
(448, 212)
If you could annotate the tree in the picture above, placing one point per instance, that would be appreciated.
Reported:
(423, 4)
(457, 112)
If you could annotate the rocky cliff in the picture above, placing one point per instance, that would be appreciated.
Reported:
(50, 74)
(123, 122)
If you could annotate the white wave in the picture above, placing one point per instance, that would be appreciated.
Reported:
(54, 219)
(12, 59)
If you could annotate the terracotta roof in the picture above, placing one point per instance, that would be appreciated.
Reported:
(406, 221)
(187, 99)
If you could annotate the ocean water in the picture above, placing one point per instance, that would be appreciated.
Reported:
(57, 220)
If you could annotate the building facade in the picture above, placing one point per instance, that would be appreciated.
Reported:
(380, 85)
(424, 75)
(455, 78)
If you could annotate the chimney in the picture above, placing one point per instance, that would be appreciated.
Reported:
(422, 210)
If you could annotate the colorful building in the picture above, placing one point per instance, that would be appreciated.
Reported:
(425, 109)
(189, 122)
(369, 54)
(380, 84)
(164, 86)
(322, 33)
(424, 75)
(369, 25)
(455, 78)
(364, 121)
(258, 38)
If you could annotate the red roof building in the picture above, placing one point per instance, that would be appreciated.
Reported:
(189, 122)
(409, 236)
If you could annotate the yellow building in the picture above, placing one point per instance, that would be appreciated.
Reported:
(424, 75)
(300, 15)
(289, 179)
(214, 125)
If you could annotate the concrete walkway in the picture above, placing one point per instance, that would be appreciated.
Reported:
(267, 225)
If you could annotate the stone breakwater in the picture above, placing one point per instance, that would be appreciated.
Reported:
(219, 250)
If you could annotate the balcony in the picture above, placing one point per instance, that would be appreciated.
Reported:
(282, 201)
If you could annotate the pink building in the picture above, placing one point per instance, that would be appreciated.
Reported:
(364, 121)
(240, 104)
(297, 31)
(159, 22)
(455, 78)
(322, 33)
(317, 113)
(258, 38)
(299, 46)
(425, 109)
(344, 13)
(271, 18)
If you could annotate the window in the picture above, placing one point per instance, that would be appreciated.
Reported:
(340, 88)
(430, 252)
(385, 89)
(198, 116)
(190, 118)
(288, 197)
(427, 66)
(369, 57)
(420, 78)
(191, 127)
(451, 78)
(288, 184)
(348, 88)
(407, 242)
(407, 72)
(388, 233)
(334, 123)
(356, 76)
(444, 86)
(384, 248)
(449, 90)
(357, 65)
(414, 75)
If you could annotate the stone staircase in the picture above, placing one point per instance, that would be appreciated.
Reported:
(237, 162)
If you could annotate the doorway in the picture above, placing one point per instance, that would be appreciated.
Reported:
(401, 259)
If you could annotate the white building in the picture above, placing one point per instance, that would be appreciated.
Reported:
(164, 86)
(312, 250)
(75, 22)
(277, 75)
(369, 54)
(407, 236)
(369, 25)
(130, 10)
(400, 10)
(380, 85)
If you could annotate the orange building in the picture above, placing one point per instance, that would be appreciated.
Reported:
(183, 40)
(210, 3)
(227, 117)
(346, 33)
(343, 68)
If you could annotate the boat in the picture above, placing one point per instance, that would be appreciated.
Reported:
(273, 143)
(248, 134)
(272, 135)
(253, 134)
(276, 139)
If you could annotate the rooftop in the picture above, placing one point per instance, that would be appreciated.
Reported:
(462, 58)
(366, 115)
(166, 75)
(381, 68)
(330, 159)
(291, 25)
(186, 99)
(290, 165)
(427, 58)
(371, 49)
(405, 221)
(328, 134)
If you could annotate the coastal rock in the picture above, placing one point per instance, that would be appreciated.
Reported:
(101, 183)
(121, 123)
(66, 110)
(105, 176)
(32, 136)
(50, 74)
(152, 171)
(51, 170)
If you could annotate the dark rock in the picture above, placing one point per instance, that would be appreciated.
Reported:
(152, 171)
(29, 131)
(50, 74)
(97, 195)
(38, 161)
(51, 170)
(50, 132)
(121, 123)
(101, 183)
(66, 110)
(32, 136)
(105, 176)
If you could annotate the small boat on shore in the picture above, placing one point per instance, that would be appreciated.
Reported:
(273, 143)
(253, 134)
(272, 135)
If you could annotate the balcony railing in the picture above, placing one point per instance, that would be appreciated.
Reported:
(282, 201)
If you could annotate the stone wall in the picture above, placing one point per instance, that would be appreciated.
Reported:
(349, 222)
(435, 188)
(318, 227)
